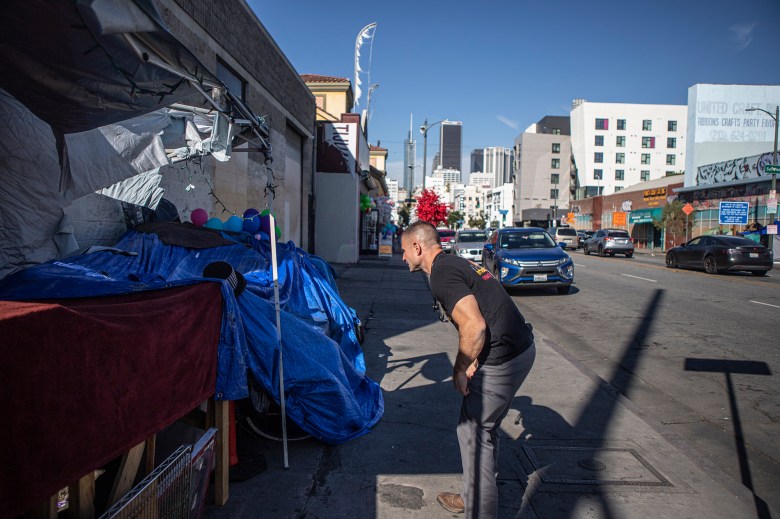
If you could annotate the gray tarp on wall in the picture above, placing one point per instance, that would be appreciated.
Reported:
(81, 93)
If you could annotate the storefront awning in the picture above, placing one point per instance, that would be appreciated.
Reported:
(644, 215)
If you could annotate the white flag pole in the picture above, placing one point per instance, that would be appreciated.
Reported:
(275, 272)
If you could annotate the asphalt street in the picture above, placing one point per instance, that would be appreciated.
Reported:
(704, 364)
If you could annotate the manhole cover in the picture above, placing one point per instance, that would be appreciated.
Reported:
(593, 466)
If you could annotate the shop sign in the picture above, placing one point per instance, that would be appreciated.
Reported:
(654, 193)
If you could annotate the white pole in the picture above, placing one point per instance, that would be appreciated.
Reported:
(275, 272)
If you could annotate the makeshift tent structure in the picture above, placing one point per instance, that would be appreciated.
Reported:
(77, 103)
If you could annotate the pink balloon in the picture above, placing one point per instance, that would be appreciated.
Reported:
(199, 217)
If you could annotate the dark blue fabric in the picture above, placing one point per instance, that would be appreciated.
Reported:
(327, 391)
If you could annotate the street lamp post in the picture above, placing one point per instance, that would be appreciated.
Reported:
(776, 117)
(424, 130)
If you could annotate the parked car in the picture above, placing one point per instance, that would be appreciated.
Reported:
(610, 241)
(468, 243)
(582, 237)
(717, 254)
(528, 256)
(565, 235)
(445, 237)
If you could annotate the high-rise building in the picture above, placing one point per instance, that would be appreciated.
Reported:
(451, 145)
(500, 163)
(477, 161)
(410, 158)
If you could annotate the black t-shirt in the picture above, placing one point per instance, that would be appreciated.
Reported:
(508, 335)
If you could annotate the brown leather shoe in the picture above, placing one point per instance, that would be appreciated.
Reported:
(451, 502)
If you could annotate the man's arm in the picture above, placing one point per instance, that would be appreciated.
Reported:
(471, 329)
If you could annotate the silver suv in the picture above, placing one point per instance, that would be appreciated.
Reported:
(468, 244)
(565, 235)
(610, 241)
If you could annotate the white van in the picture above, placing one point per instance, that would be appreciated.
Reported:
(565, 235)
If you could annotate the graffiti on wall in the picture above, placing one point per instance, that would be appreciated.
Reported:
(736, 169)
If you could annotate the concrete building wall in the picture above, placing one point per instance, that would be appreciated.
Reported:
(336, 214)
(719, 128)
(535, 153)
(584, 147)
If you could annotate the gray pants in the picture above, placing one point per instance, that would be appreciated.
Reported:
(491, 391)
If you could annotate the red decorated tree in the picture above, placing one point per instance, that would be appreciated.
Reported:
(430, 208)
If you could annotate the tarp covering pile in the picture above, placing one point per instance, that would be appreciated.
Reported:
(327, 391)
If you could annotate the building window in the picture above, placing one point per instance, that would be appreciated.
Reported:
(553, 178)
(556, 147)
(554, 194)
(671, 126)
(598, 157)
(620, 158)
(647, 125)
(320, 100)
(620, 141)
(621, 124)
(671, 142)
(618, 188)
(556, 163)
(648, 142)
(620, 174)
(644, 175)
(645, 158)
(598, 174)
(235, 83)
(670, 160)
(670, 173)
(602, 124)
(599, 140)
(556, 131)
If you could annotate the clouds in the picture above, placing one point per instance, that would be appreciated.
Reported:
(741, 35)
(509, 122)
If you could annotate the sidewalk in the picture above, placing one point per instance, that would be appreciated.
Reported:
(571, 447)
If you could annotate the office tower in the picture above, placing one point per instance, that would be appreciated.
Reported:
(500, 163)
(451, 144)
(477, 161)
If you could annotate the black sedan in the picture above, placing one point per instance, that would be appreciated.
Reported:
(717, 254)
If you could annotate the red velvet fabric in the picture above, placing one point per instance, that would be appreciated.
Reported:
(86, 379)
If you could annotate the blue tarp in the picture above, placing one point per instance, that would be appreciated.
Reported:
(327, 391)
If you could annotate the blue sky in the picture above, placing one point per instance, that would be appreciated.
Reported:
(499, 66)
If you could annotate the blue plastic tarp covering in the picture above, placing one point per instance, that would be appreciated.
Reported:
(327, 392)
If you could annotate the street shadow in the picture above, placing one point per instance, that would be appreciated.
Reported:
(541, 423)
(736, 367)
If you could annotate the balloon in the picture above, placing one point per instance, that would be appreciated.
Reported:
(234, 224)
(198, 217)
(278, 233)
(214, 223)
(265, 222)
(251, 221)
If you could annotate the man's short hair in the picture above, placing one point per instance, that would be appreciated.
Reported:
(423, 232)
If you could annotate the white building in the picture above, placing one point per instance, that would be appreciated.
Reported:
(499, 203)
(498, 162)
(720, 130)
(392, 189)
(481, 179)
(616, 145)
(543, 173)
(449, 175)
(470, 200)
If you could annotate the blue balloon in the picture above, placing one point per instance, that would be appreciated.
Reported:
(251, 221)
(214, 223)
(234, 224)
